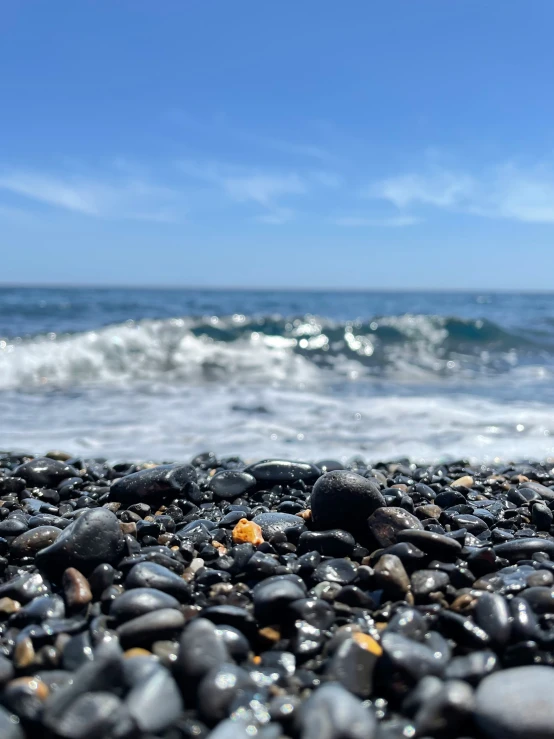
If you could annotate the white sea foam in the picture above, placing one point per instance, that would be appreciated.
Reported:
(256, 422)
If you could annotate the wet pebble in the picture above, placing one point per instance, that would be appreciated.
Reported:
(516, 703)
(385, 524)
(345, 500)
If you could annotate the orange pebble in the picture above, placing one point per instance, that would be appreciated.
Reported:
(368, 642)
(247, 532)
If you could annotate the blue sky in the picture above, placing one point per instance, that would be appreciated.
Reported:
(313, 143)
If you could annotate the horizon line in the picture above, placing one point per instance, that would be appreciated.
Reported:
(269, 288)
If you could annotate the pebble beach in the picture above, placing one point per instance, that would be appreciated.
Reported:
(275, 599)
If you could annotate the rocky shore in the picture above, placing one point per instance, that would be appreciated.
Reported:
(216, 599)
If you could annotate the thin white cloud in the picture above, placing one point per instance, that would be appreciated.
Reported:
(441, 189)
(106, 198)
(504, 192)
(399, 221)
(264, 188)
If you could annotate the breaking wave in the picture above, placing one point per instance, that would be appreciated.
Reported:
(304, 351)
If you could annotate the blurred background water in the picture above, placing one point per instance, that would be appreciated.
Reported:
(164, 374)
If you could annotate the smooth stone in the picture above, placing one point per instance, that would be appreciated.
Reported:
(202, 648)
(411, 657)
(463, 630)
(272, 597)
(275, 523)
(332, 712)
(235, 642)
(231, 484)
(472, 667)
(493, 616)
(518, 549)
(410, 555)
(40, 609)
(437, 546)
(12, 527)
(283, 471)
(473, 524)
(449, 498)
(91, 715)
(153, 485)
(409, 623)
(6, 670)
(229, 615)
(341, 571)
(32, 541)
(155, 703)
(541, 516)
(391, 575)
(45, 473)
(516, 703)
(77, 651)
(448, 710)
(10, 727)
(138, 601)
(352, 666)
(331, 543)
(536, 487)
(425, 582)
(233, 729)
(92, 539)
(218, 688)
(343, 499)
(152, 575)
(314, 611)
(150, 627)
(541, 599)
(385, 524)
(24, 588)
(105, 672)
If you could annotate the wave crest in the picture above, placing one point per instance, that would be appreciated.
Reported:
(241, 349)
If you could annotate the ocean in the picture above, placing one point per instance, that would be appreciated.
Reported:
(166, 374)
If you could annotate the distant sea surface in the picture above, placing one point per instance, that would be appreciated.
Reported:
(165, 374)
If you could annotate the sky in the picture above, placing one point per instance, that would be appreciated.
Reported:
(284, 144)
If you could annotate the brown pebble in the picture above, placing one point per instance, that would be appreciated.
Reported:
(128, 528)
(24, 653)
(58, 455)
(247, 532)
(76, 588)
(430, 510)
(306, 514)
(466, 481)
(112, 506)
(9, 606)
(463, 603)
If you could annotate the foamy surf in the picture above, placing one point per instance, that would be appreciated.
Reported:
(296, 351)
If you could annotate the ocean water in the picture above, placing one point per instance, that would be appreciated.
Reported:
(165, 374)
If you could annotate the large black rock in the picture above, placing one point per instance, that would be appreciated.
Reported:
(344, 500)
